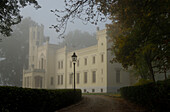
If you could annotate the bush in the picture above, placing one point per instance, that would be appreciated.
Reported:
(14, 99)
(142, 82)
(153, 95)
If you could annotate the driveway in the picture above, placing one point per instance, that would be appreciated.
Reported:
(99, 103)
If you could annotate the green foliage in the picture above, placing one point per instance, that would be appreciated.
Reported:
(10, 13)
(152, 95)
(142, 82)
(143, 34)
(14, 99)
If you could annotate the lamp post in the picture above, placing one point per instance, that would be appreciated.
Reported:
(74, 59)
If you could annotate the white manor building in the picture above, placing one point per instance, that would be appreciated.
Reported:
(51, 67)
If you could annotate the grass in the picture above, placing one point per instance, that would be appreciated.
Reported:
(117, 95)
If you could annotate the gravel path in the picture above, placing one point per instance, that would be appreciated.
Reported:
(99, 103)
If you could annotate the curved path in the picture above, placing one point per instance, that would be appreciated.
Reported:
(99, 103)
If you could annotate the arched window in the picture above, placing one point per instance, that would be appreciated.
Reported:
(42, 63)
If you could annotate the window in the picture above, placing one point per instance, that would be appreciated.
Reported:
(101, 79)
(102, 58)
(70, 64)
(78, 78)
(93, 90)
(94, 60)
(58, 79)
(59, 65)
(85, 61)
(117, 76)
(94, 76)
(39, 65)
(42, 63)
(78, 63)
(85, 77)
(52, 81)
(101, 71)
(70, 81)
(61, 79)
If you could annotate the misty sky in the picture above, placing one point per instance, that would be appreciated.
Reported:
(45, 17)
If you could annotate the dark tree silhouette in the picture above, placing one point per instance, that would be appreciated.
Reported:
(78, 39)
(10, 13)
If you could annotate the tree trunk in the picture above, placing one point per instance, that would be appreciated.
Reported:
(165, 74)
(151, 71)
(148, 59)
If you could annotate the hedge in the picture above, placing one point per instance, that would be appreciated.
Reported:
(14, 99)
(154, 96)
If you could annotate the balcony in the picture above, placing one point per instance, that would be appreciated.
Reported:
(34, 70)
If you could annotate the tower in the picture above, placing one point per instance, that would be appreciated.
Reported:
(36, 38)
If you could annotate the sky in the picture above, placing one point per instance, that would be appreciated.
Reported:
(47, 18)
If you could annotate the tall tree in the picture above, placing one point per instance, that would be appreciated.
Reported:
(143, 31)
(10, 13)
(14, 50)
(78, 39)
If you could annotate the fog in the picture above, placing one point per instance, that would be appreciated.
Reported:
(45, 17)
(14, 50)
(61, 53)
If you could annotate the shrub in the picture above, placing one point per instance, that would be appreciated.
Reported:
(14, 99)
(142, 82)
(153, 95)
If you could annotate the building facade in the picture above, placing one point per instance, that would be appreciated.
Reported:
(51, 67)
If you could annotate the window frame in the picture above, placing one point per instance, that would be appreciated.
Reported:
(93, 76)
(102, 58)
(61, 64)
(52, 81)
(58, 64)
(94, 60)
(70, 78)
(61, 79)
(85, 61)
(85, 77)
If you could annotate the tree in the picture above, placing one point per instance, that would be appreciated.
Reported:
(143, 31)
(77, 39)
(143, 28)
(85, 10)
(10, 13)
(14, 50)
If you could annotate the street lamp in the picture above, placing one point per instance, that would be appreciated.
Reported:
(74, 59)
